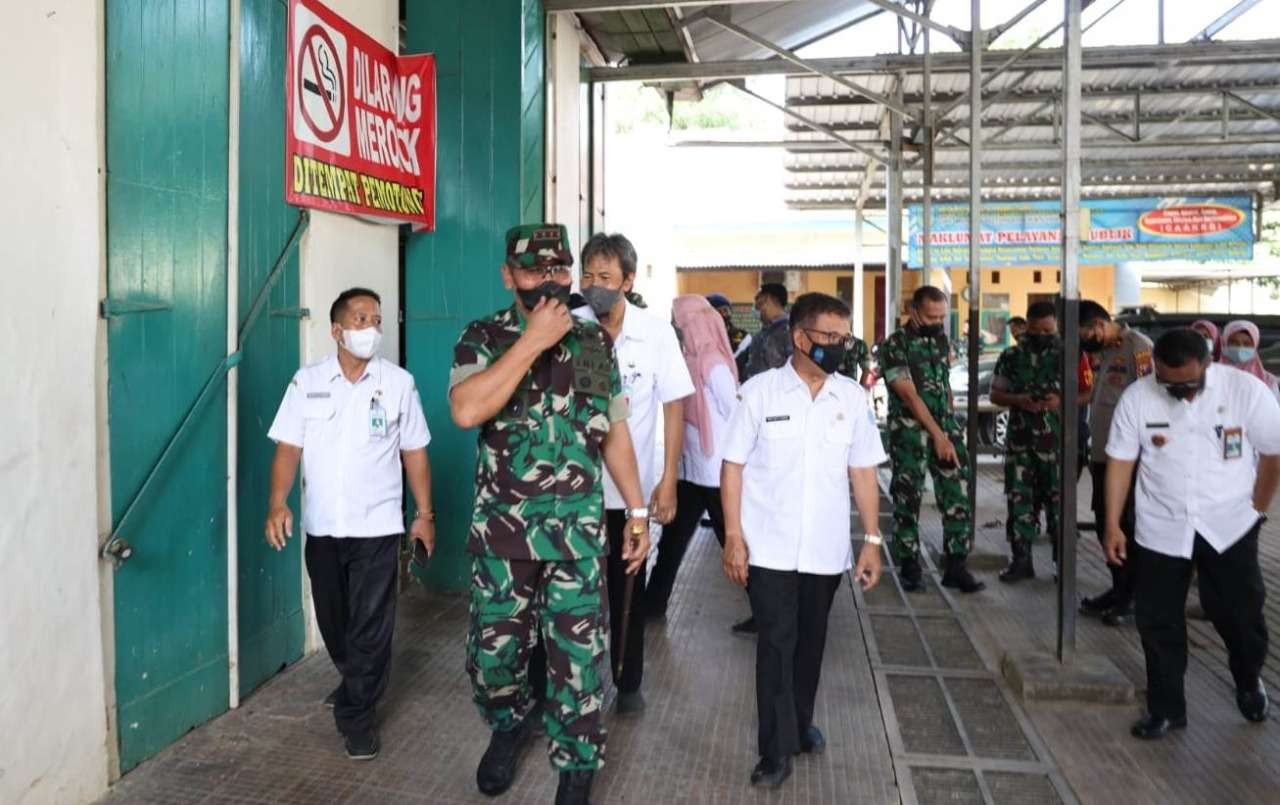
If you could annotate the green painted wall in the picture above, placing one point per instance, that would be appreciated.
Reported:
(489, 178)
(269, 588)
(166, 137)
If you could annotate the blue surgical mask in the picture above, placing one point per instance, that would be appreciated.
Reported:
(1240, 354)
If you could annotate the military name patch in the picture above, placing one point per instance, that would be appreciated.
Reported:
(782, 418)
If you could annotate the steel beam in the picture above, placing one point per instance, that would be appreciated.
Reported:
(818, 127)
(959, 36)
(1273, 114)
(1071, 179)
(1231, 15)
(893, 175)
(1263, 51)
(975, 258)
(1035, 118)
(1040, 95)
(832, 147)
(926, 212)
(587, 6)
(790, 56)
(1000, 30)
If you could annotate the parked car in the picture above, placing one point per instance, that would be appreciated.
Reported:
(993, 421)
(1152, 324)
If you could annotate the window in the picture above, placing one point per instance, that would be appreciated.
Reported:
(1057, 277)
(779, 277)
(1035, 277)
(995, 277)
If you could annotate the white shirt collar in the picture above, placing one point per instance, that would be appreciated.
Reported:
(633, 328)
(333, 369)
(791, 380)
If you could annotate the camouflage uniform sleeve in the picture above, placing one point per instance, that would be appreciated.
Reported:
(863, 356)
(1002, 377)
(471, 355)
(619, 408)
(893, 359)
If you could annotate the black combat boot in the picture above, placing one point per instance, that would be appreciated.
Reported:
(910, 574)
(956, 574)
(1020, 566)
(574, 788)
(497, 769)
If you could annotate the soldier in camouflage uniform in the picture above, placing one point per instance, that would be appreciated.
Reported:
(923, 434)
(856, 364)
(545, 391)
(1028, 381)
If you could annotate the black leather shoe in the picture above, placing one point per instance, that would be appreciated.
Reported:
(1118, 615)
(744, 627)
(770, 772)
(331, 700)
(911, 574)
(957, 575)
(574, 788)
(1150, 727)
(1020, 567)
(812, 742)
(1097, 606)
(1253, 704)
(362, 746)
(497, 769)
(630, 703)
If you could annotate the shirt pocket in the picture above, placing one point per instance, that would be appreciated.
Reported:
(316, 414)
(779, 440)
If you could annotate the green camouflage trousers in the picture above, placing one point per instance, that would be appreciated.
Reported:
(1030, 485)
(912, 453)
(511, 600)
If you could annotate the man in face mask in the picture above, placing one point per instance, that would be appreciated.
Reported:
(924, 434)
(1122, 356)
(798, 441)
(355, 422)
(654, 376)
(1027, 380)
(544, 389)
(770, 347)
(1205, 440)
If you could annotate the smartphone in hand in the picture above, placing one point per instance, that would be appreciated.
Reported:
(419, 554)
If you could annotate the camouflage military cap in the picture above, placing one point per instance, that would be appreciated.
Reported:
(538, 246)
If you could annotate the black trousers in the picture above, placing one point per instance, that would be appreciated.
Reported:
(1232, 593)
(616, 581)
(353, 585)
(791, 612)
(692, 501)
(1122, 577)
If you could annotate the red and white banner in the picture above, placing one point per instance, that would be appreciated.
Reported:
(360, 131)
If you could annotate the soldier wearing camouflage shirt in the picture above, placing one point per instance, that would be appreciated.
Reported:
(923, 434)
(545, 391)
(856, 364)
(1028, 380)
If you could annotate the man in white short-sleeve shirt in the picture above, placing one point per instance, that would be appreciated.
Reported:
(654, 377)
(800, 437)
(354, 421)
(1206, 441)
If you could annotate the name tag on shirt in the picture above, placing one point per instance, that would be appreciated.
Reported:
(377, 420)
(782, 418)
(1232, 442)
(317, 395)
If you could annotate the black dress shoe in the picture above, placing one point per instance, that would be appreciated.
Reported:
(744, 627)
(1118, 615)
(770, 772)
(331, 700)
(812, 742)
(911, 574)
(630, 703)
(362, 746)
(1020, 568)
(497, 769)
(575, 787)
(1150, 727)
(957, 575)
(1253, 704)
(1097, 606)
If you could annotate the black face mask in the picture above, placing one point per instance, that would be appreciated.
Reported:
(1037, 342)
(1183, 391)
(929, 330)
(827, 356)
(1092, 344)
(547, 290)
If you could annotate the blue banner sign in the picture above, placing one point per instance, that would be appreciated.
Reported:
(1112, 230)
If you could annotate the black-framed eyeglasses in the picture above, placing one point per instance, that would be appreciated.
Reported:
(829, 339)
(547, 272)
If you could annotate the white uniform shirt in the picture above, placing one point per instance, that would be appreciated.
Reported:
(797, 451)
(721, 393)
(351, 470)
(653, 373)
(1197, 459)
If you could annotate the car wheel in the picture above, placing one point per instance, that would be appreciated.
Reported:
(1001, 429)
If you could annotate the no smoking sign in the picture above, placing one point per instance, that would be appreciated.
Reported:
(320, 83)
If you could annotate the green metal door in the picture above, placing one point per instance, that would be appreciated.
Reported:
(489, 58)
(269, 583)
(166, 134)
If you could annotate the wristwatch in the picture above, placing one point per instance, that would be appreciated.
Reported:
(639, 513)
(873, 539)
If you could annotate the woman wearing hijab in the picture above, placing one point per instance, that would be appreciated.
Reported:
(1240, 349)
(1209, 330)
(705, 344)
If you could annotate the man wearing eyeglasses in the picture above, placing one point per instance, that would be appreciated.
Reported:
(545, 391)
